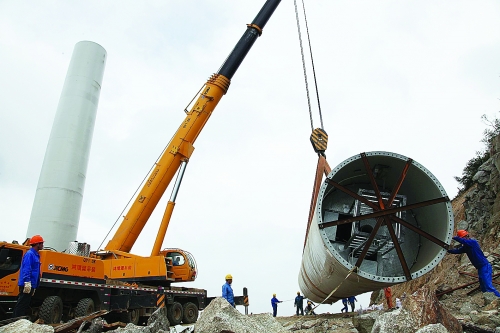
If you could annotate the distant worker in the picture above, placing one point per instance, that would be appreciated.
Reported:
(388, 297)
(299, 304)
(398, 303)
(471, 247)
(274, 303)
(351, 300)
(29, 276)
(309, 309)
(227, 291)
(345, 308)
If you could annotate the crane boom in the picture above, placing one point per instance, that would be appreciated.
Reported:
(181, 146)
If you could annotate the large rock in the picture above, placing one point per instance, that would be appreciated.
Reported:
(433, 328)
(220, 316)
(158, 320)
(424, 305)
(322, 323)
(420, 309)
(397, 321)
(364, 323)
(157, 323)
(490, 318)
(26, 326)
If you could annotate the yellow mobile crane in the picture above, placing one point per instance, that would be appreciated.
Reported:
(73, 285)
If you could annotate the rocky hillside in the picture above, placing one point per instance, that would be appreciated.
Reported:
(478, 211)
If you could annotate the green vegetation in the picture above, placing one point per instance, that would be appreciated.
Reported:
(472, 166)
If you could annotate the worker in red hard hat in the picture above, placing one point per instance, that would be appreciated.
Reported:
(476, 256)
(29, 276)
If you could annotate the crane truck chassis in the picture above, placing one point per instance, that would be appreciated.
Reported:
(73, 290)
(113, 279)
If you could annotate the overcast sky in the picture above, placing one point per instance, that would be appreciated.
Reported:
(407, 77)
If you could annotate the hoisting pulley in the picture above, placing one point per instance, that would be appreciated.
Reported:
(319, 140)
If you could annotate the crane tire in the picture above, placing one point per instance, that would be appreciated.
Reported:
(130, 316)
(190, 313)
(174, 313)
(84, 307)
(51, 310)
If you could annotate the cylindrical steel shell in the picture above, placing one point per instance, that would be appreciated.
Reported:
(331, 253)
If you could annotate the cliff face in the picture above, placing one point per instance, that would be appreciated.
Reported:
(478, 211)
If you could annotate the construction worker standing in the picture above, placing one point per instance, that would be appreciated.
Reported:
(29, 276)
(345, 308)
(274, 303)
(299, 303)
(351, 300)
(476, 256)
(227, 291)
(388, 297)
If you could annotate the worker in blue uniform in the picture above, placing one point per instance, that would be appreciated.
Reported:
(345, 308)
(351, 300)
(29, 276)
(476, 256)
(227, 291)
(274, 303)
(299, 304)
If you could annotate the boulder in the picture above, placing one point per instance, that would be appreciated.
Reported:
(158, 320)
(426, 309)
(490, 318)
(489, 297)
(421, 309)
(26, 326)
(397, 321)
(364, 323)
(157, 323)
(467, 307)
(433, 328)
(220, 316)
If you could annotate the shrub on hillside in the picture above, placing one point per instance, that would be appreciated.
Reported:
(472, 166)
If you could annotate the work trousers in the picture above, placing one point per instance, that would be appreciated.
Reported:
(275, 310)
(301, 308)
(23, 302)
(352, 306)
(484, 273)
(345, 308)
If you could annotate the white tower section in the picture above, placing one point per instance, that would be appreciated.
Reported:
(56, 209)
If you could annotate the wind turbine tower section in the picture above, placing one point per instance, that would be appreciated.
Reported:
(56, 209)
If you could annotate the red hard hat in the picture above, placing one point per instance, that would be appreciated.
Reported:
(36, 239)
(462, 233)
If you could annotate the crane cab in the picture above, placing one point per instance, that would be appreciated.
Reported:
(181, 266)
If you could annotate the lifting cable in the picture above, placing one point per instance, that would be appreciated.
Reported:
(304, 64)
(318, 138)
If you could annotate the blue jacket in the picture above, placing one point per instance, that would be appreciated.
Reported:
(299, 301)
(344, 301)
(227, 293)
(30, 269)
(472, 249)
(275, 301)
(351, 299)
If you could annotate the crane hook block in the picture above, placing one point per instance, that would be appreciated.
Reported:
(319, 140)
